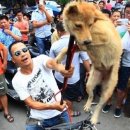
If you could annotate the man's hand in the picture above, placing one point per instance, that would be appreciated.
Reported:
(7, 31)
(117, 23)
(128, 27)
(66, 73)
(42, 7)
(52, 64)
(59, 107)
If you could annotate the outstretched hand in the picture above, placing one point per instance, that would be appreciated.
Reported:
(66, 73)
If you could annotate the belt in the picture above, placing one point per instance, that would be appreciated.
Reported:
(32, 121)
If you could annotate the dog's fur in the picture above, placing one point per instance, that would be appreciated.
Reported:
(96, 34)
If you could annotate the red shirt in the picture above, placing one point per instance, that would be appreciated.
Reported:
(1, 48)
(22, 26)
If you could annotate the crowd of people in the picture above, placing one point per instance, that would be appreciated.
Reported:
(42, 76)
(116, 16)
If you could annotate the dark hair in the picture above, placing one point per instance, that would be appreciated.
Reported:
(60, 27)
(27, 15)
(11, 45)
(115, 10)
(102, 2)
(106, 11)
(4, 17)
(127, 5)
(19, 11)
(108, 1)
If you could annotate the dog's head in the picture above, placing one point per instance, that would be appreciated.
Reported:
(78, 20)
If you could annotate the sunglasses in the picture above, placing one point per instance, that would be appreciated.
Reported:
(18, 53)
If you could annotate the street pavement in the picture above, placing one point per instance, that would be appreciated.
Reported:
(107, 121)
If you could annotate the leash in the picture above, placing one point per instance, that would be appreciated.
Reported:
(70, 53)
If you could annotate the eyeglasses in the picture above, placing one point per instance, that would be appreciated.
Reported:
(127, 12)
(18, 53)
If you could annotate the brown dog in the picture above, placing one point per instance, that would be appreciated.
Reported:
(96, 34)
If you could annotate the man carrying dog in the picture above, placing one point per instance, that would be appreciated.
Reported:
(35, 84)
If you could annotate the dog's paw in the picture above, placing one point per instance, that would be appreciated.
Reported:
(93, 120)
(86, 108)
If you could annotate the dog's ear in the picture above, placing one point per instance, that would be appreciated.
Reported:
(99, 15)
(73, 10)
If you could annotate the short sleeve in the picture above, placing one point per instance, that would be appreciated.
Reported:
(34, 16)
(84, 55)
(20, 89)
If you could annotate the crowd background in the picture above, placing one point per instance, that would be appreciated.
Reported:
(30, 30)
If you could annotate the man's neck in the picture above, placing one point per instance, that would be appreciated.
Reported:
(20, 20)
(27, 69)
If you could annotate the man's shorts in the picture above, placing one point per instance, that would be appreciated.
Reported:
(72, 91)
(123, 77)
(3, 86)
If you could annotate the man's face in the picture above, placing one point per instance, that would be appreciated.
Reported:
(19, 16)
(127, 13)
(21, 55)
(115, 16)
(101, 5)
(4, 24)
(41, 7)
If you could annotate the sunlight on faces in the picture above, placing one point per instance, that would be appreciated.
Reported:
(20, 54)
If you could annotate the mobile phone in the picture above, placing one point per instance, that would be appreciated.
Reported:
(123, 21)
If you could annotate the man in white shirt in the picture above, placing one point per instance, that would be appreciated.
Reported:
(36, 86)
(42, 18)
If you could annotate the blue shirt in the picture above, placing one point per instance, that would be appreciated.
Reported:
(45, 30)
(7, 39)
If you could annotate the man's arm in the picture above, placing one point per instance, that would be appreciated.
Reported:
(52, 64)
(44, 106)
(37, 24)
(48, 16)
(16, 37)
(4, 53)
(23, 31)
(86, 65)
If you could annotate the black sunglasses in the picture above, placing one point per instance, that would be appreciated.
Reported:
(18, 53)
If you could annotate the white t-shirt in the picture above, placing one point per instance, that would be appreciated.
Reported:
(43, 31)
(40, 85)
